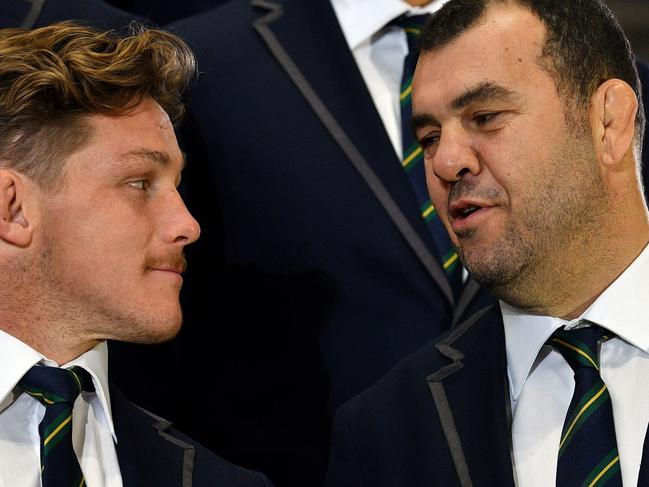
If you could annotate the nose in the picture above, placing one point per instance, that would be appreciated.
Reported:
(454, 157)
(181, 227)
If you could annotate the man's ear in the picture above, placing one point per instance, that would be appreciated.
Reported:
(15, 228)
(613, 110)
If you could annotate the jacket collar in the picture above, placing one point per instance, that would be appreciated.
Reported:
(472, 399)
(352, 120)
(20, 13)
(149, 453)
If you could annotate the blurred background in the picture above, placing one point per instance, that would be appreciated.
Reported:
(634, 17)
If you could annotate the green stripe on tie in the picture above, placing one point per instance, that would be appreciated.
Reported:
(587, 406)
(56, 422)
(428, 211)
(450, 261)
(412, 157)
(608, 467)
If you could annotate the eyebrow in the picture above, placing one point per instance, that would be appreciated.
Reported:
(485, 91)
(158, 157)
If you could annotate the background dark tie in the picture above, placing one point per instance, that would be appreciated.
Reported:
(588, 453)
(57, 389)
(413, 157)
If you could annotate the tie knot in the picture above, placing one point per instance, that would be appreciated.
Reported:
(412, 26)
(52, 385)
(579, 346)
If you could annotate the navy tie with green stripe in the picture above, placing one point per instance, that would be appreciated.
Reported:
(588, 453)
(57, 389)
(413, 156)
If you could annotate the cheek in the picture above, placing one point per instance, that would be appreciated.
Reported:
(437, 189)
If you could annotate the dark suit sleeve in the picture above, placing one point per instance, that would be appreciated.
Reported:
(344, 469)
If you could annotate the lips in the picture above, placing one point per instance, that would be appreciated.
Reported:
(462, 209)
(465, 211)
(172, 263)
(176, 270)
(467, 215)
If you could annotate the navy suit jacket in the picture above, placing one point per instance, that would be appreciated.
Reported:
(38, 13)
(440, 418)
(153, 454)
(315, 273)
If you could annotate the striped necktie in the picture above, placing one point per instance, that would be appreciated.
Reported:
(588, 453)
(57, 389)
(413, 158)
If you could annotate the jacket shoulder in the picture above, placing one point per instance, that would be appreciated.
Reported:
(152, 452)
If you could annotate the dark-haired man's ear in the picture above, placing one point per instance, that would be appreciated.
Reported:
(613, 111)
(14, 226)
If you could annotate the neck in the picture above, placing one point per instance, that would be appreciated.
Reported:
(55, 347)
(36, 323)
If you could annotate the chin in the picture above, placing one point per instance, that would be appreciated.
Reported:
(152, 329)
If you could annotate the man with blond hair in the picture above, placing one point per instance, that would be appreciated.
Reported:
(92, 233)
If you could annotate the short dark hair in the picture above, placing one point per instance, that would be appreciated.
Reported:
(53, 77)
(584, 46)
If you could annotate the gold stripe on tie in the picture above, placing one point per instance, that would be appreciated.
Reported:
(428, 211)
(412, 156)
(404, 94)
(582, 411)
(606, 469)
(58, 428)
(450, 261)
(578, 350)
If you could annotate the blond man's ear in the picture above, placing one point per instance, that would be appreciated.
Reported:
(15, 227)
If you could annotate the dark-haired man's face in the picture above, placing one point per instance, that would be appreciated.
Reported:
(112, 238)
(511, 182)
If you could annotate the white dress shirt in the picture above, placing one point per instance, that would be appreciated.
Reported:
(93, 435)
(542, 383)
(379, 52)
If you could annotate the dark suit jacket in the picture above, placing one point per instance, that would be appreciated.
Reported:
(314, 273)
(38, 13)
(440, 418)
(165, 11)
(153, 454)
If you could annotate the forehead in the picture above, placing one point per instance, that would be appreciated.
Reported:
(143, 133)
(503, 47)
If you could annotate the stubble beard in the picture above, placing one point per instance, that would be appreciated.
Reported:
(530, 265)
(78, 310)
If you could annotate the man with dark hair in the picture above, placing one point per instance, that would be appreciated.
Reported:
(92, 233)
(530, 117)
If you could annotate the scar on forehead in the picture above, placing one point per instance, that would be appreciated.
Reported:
(165, 121)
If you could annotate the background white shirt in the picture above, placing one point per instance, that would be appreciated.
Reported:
(93, 435)
(542, 383)
(379, 52)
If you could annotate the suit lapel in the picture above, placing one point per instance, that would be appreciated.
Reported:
(148, 455)
(324, 71)
(472, 400)
(23, 13)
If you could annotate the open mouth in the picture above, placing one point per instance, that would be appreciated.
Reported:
(464, 210)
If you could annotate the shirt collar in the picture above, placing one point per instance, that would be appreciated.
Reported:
(361, 19)
(18, 358)
(621, 308)
(95, 361)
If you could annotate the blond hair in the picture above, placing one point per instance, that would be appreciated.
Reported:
(53, 77)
